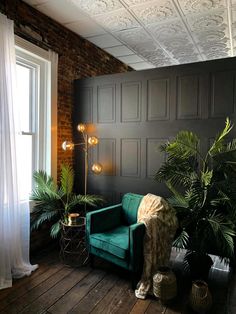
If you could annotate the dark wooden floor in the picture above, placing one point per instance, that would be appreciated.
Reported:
(56, 288)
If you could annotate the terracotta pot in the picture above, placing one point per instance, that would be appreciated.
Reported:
(200, 298)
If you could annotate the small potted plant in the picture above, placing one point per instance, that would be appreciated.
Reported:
(204, 195)
(54, 203)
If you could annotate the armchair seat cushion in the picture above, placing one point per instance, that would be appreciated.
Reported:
(115, 241)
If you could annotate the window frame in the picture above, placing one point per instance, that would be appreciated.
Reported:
(47, 99)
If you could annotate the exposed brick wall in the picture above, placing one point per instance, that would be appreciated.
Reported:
(78, 58)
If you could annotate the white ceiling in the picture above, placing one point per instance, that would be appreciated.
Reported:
(151, 33)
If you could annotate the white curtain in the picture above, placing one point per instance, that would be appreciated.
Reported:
(14, 216)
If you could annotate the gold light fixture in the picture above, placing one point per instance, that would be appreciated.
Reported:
(81, 127)
(93, 140)
(97, 168)
(87, 142)
(67, 145)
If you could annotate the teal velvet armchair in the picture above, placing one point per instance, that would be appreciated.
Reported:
(113, 233)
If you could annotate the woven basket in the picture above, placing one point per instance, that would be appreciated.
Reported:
(200, 297)
(164, 284)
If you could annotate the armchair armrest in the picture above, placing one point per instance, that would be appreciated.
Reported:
(136, 235)
(103, 219)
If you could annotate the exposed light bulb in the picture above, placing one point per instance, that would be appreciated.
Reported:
(81, 127)
(97, 168)
(67, 145)
(93, 140)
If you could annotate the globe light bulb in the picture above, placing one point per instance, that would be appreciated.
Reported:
(67, 145)
(97, 168)
(81, 127)
(93, 140)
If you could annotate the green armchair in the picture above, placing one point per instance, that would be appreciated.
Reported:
(113, 233)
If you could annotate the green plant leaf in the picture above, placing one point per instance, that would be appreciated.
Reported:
(184, 146)
(224, 234)
(41, 218)
(44, 186)
(55, 229)
(67, 179)
(182, 240)
(177, 200)
(218, 144)
(206, 177)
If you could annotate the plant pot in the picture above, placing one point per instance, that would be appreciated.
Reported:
(164, 284)
(200, 299)
(199, 265)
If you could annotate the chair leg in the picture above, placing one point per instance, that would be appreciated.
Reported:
(91, 258)
(135, 279)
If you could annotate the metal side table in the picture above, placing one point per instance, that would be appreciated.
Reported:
(73, 251)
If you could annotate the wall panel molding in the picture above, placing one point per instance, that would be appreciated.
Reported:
(86, 98)
(131, 101)
(222, 94)
(154, 158)
(130, 157)
(188, 98)
(106, 103)
(107, 156)
(139, 110)
(158, 101)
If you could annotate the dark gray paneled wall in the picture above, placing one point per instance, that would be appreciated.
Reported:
(133, 113)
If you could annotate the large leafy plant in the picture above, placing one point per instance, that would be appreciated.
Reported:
(54, 203)
(203, 191)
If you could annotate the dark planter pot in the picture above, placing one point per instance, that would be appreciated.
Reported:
(199, 265)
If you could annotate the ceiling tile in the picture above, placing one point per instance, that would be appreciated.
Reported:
(207, 21)
(133, 36)
(168, 30)
(134, 2)
(155, 11)
(164, 62)
(104, 41)
(189, 59)
(119, 51)
(141, 66)
(86, 28)
(94, 7)
(197, 6)
(60, 11)
(34, 2)
(118, 20)
(131, 59)
(160, 32)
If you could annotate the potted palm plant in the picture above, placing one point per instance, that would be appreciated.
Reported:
(54, 203)
(204, 194)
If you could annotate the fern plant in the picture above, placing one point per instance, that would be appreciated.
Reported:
(203, 191)
(54, 203)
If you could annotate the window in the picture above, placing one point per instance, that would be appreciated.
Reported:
(34, 97)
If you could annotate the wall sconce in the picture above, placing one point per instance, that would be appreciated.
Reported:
(88, 141)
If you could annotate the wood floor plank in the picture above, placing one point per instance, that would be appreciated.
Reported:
(55, 289)
(155, 307)
(51, 296)
(140, 306)
(31, 284)
(94, 296)
(126, 303)
(44, 263)
(81, 289)
(111, 301)
(22, 302)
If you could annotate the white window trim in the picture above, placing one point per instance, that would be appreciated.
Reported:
(52, 58)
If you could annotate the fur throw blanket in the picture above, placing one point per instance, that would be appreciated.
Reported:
(161, 224)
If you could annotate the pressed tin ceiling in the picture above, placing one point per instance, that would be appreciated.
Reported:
(149, 34)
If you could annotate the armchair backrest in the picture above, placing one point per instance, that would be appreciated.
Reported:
(130, 205)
